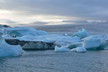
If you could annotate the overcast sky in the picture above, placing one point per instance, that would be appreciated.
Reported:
(52, 11)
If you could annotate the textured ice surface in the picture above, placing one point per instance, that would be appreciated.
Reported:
(95, 42)
(21, 31)
(91, 42)
(9, 50)
(81, 33)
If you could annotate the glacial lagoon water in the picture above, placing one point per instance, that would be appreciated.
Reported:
(51, 61)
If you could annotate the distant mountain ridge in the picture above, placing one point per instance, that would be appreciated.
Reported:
(1, 25)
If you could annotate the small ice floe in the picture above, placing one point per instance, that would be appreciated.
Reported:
(61, 49)
(81, 33)
(45, 41)
(79, 50)
(65, 49)
(9, 50)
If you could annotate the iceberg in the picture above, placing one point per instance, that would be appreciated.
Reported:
(51, 38)
(9, 50)
(92, 43)
(48, 41)
(81, 33)
(80, 41)
(65, 49)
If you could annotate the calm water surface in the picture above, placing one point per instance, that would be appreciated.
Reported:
(50, 61)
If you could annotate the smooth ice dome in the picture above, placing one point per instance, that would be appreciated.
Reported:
(81, 33)
(9, 50)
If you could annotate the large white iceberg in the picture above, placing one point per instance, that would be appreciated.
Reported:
(9, 50)
(94, 42)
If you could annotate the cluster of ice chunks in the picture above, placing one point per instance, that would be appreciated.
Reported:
(93, 42)
(80, 41)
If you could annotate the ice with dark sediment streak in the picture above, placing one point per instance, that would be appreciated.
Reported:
(40, 41)
(79, 41)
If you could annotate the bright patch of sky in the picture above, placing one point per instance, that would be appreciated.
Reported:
(52, 12)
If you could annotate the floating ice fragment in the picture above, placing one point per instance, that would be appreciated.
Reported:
(79, 49)
(61, 49)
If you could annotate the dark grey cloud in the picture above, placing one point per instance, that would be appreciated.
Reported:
(76, 22)
(93, 9)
